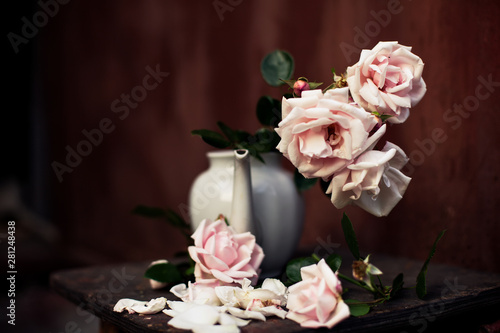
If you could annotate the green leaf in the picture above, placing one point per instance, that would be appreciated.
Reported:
(397, 284)
(357, 308)
(189, 271)
(214, 139)
(334, 261)
(242, 136)
(293, 268)
(175, 219)
(269, 111)
(421, 287)
(350, 237)
(302, 183)
(231, 134)
(384, 117)
(331, 86)
(289, 83)
(266, 140)
(164, 272)
(277, 66)
(146, 211)
(314, 85)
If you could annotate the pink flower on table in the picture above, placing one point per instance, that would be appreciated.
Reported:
(373, 182)
(323, 133)
(316, 300)
(222, 254)
(387, 79)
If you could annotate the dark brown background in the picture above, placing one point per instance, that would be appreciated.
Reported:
(93, 51)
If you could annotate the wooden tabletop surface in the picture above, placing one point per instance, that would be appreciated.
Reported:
(458, 300)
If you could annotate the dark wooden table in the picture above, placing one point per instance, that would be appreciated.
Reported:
(459, 300)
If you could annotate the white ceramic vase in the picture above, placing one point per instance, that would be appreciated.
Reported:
(278, 208)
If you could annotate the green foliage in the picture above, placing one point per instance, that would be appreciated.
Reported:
(350, 236)
(214, 139)
(268, 111)
(357, 308)
(383, 117)
(277, 66)
(164, 272)
(302, 183)
(334, 261)
(293, 268)
(397, 284)
(152, 212)
(421, 281)
(168, 215)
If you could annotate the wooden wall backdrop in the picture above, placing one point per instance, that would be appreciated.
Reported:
(92, 52)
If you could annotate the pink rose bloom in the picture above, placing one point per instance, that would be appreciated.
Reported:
(323, 133)
(221, 253)
(373, 182)
(316, 300)
(387, 79)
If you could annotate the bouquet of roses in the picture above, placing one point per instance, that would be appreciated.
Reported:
(331, 135)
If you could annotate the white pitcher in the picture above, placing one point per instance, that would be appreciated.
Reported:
(255, 196)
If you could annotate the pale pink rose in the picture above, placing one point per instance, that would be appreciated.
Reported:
(316, 300)
(221, 253)
(373, 182)
(387, 79)
(323, 133)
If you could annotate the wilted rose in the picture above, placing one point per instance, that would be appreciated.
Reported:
(388, 80)
(221, 253)
(323, 133)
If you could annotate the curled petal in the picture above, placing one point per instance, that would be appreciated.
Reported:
(244, 314)
(133, 306)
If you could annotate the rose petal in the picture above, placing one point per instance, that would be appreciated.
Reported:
(195, 316)
(134, 306)
(126, 304)
(244, 314)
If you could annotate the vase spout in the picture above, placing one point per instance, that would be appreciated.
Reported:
(242, 214)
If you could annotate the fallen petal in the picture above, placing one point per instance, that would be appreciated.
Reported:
(194, 317)
(227, 319)
(216, 329)
(127, 304)
(272, 311)
(244, 314)
(154, 306)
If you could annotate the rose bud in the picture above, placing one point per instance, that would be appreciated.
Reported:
(299, 86)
